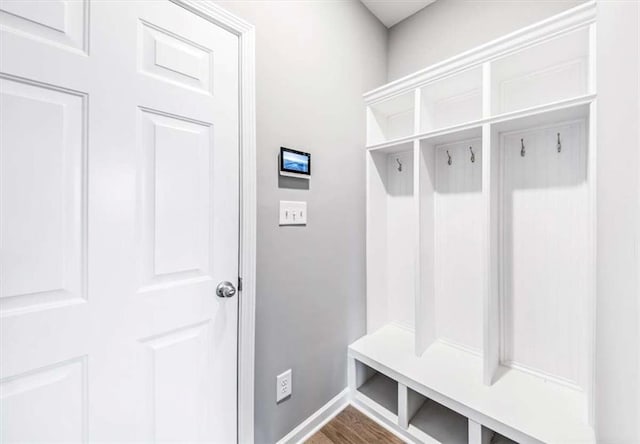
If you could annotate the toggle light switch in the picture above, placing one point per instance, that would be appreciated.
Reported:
(293, 213)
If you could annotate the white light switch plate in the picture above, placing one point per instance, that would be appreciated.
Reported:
(293, 213)
(283, 385)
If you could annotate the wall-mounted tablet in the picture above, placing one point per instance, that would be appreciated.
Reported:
(295, 163)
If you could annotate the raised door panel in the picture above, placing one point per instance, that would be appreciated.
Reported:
(174, 58)
(58, 22)
(42, 197)
(45, 405)
(181, 394)
(176, 192)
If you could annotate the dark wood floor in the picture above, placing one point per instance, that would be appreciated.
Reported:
(352, 427)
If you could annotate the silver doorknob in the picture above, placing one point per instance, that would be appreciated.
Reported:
(225, 289)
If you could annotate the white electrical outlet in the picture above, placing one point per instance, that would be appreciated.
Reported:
(293, 213)
(283, 385)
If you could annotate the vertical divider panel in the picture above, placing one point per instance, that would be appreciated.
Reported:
(417, 113)
(373, 129)
(357, 374)
(376, 235)
(491, 312)
(592, 66)
(593, 215)
(475, 432)
(479, 434)
(425, 291)
(351, 375)
(403, 411)
(486, 90)
(592, 266)
(409, 402)
(419, 330)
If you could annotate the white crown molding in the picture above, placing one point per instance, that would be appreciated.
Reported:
(572, 19)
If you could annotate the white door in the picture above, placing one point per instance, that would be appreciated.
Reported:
(118, 219)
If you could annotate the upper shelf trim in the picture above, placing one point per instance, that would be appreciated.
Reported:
(563, 23)
(499, 118)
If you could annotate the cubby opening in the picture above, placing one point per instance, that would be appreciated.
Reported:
(545, 251)
(451, 241)
(391, 119)
(431, 421)
(491, 437)
(391, 237)
(554, 70)
(377, 387)
(451, 101)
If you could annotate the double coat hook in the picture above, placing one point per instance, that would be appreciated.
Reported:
(450, 159)
(523, 151)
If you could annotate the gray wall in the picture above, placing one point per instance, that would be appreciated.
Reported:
(448, 27)
(314, 62)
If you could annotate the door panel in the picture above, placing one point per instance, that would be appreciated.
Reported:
(176, 191)
(119, 216)
(180, 411)
(42, 189)
(55, 22)
(175, 59)
(45, 403)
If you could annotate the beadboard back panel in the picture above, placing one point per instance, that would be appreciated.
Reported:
(545, 250)
(458, 240)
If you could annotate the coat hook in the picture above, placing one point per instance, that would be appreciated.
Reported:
(522, 150)
(559, 145)
(473, 156)
(399, 164)
(449, 155)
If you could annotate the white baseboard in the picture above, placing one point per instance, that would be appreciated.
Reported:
(316, 421)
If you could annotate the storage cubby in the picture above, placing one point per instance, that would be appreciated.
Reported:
(451, 101)
(451, 245)
(557, 69)
(391, 237)
(484, 435)
(545, 250)
(377, 387)
(491, 437)
(434, 422)
(391, 119)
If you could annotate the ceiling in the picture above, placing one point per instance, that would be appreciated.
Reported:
(391, 12)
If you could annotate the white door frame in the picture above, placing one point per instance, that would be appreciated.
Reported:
(208, 10)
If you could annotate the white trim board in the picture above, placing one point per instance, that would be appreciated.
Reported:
(245, 31)
(316, 421)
